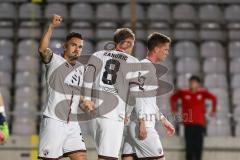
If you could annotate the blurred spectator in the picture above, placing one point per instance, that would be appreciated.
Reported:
(193, 115)
(4, 131)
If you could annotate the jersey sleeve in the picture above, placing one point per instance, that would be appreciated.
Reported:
(92, 69)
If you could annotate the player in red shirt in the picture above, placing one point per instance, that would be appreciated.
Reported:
(193, 115)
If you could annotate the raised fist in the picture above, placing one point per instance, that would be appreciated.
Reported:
(56, 20)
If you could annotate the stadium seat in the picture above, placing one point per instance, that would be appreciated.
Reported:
(169, 64)
(140, 50)
(56, 8)
(188, 65)
(26, 94)
(30, 11)
(102, 44)
(126, 12)
(81, 11)
(231, 13)
(6, 47)
(87, 48)
(234, 31)
(159, 12)
(185, 31)
(26, 107)
(161, 27)
(215, 81)
(27, 47)
(5, 64)
(234, 66)
(59, 33)
(84, 28)
(27, 63)
(26, 79)
(235, 81)
(222, 99)
(210, 13)
(105, 30)
(218, 127)
(212, 49)
(6, 29)
(184, 12)
(183, 80)
(234, 49)
(107, 12)
(236, 97)
(56, 46)
(140, 31)
(214, 65)
(7, 11)
(5, 79)
(24, 126)
(29, 30)
(186, 49)
(212, 31)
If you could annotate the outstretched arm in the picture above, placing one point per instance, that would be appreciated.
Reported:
(43, 50)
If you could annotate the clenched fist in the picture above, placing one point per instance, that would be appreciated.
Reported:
(56, 20)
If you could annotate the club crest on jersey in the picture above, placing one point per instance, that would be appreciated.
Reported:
(74, 78)
(45, 152)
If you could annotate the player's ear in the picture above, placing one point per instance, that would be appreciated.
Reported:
(65, 46)
(156, 49)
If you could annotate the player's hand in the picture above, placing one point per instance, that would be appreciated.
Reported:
(87, 105)
(56, 20)
(2, 139)
(168, 126)
(142, 130)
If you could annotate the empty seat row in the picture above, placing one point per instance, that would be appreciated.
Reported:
(163, 12)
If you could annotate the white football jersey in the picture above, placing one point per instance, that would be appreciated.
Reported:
(150, 108)
(114, 71)
(61, 78)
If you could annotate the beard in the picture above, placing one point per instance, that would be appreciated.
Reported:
(74, 56)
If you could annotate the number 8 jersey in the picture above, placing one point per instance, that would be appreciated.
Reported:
(112, 72)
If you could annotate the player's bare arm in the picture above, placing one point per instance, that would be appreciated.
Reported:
(44, 51)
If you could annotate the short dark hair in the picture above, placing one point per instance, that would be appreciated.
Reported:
(73, 34)
(195, 78)
(123, 33)
(155, 39)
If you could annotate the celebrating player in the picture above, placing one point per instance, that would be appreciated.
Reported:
(59, 136)
(151, 147)
(110, 72)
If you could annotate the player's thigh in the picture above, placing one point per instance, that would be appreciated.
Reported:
(74, 143)
(51, 138)
(109, 137)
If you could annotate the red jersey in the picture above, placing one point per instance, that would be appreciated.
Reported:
(193, 105)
